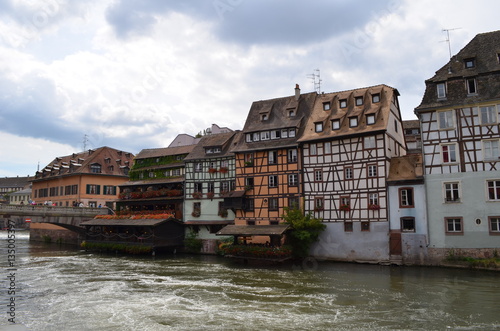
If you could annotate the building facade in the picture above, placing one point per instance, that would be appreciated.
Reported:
(460, 135)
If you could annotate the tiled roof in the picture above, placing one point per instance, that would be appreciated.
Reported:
(411, 124)
(380, 109)
(406, 168)
(222, 140)
(15, 182)
(164, 151)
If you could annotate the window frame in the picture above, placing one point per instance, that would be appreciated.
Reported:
(404, 199)
(454, 219)
(335, 124)
(272, 181)
(370, 119)
(441, 90)
(343, 103)
(327, 105)
(348, 170)
(313, 149)
(448, 154)
(369, 142)
(446, 122)
(402, 224)
(493, 156)
(318, 127)
(293, 180)
(272, 157)
(376, 98)
(491, 115)
(455, 192)
(358, 101)
(493, 190)
(292, 155)
(370, 173)
(319, 203)
(471, 85)
(318, 175)
(494, 220)
(353, 121)
(273, 204)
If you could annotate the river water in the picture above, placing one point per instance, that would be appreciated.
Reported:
(64, 288)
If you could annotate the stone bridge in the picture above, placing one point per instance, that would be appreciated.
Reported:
(66, 217)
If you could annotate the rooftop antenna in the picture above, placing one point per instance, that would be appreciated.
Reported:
(448, 38)
(85, 140)
(315, 76)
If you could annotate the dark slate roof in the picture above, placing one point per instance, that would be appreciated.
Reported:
(126, 222)
(222, 140)
(411, 124)
(79, 163)
(15, 182)
(485, 49)
(380, 109)
(277, 111)
(164, 151)
(253, 230)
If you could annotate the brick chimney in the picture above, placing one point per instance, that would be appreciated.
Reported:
(297, 92)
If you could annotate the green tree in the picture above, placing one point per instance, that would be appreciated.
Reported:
(305, 230)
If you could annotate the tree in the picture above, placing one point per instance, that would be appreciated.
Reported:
(305, 230)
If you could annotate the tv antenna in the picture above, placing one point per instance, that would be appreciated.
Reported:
(315, 77)
(447, 40)
(85, 141)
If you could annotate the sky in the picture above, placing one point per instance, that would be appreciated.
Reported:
(134, 74)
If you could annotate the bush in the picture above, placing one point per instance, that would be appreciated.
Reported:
(192, 243)
(304, 231)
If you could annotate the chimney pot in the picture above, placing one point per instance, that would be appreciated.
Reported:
(297, 92)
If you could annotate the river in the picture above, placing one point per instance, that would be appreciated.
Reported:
(64, 288)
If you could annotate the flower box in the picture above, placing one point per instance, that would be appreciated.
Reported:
(212, 170)
(374, 207)
(223, 170)
(197, 195)
(345, 207)
(210, 195)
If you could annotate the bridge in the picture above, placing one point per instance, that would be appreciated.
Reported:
(66, 217)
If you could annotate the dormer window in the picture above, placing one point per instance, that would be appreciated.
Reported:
(441, 90)
(471, 86)
(370, 119)
(359, 101)
(95, 168)
(318, 126)
(375, 98)
(470, 63)
(291, 113)
(335, 124)
(264, 117)
(326, 105)
(353, 122)
(343, 103)
(256, 136)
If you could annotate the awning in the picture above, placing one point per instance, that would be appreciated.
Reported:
(126, 222)
(199, 222)
(234, 194)
(253, 230)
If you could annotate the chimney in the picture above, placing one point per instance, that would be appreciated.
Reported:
(297, 92)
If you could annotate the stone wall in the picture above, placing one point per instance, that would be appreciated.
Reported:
(53, 233)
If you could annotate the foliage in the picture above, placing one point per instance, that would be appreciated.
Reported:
(374, 207)
(146, 215)
(192, 243)
(117, 247)
(472, 262)
(154, 161)
(256, 251)
(305, 230)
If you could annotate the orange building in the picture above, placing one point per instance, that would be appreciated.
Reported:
(89, 177)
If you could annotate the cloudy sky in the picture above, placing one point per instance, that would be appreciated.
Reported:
(134, 74)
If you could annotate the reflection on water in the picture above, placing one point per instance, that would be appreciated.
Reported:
(62, 288)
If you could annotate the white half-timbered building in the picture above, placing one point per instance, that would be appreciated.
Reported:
(347, 145)
(459, 117)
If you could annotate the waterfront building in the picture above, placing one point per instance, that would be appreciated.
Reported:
(90, 178)
(209, 176)
(268, 168)
(22, 197)
(347, 146)
(459, 119)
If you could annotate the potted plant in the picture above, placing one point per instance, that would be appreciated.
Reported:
(210, 195)
(223, 170)
(345, 207)
(197, 195)
(212, 170)
(374, 207)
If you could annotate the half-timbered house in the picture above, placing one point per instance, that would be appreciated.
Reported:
(460, 134)
(268, 162)
(210, 174)
(347, 146)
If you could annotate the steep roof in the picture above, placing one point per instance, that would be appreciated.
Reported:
(164, 151)
(484, 49)
(222, 140)
(406, 168)
(14, 182)
(380, 109)
(112, 161)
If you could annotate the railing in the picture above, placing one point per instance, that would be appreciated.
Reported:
(37, 210)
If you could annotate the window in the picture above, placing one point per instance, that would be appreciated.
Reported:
(318, 126)
(359, 101)
(406, 197)
(493, 190)
(313, 149)
(95, 168)
(272, 157)
(353, 122)
(441, 90)
(494, 225)
(343, 103)
(264, 135)
(264, 117)
(176, 172)
(488, 115)
(373, 199)
(318, 175)
(326, 105)
(273, 204)
(348, 173)
(224, 186)
(291, 113)
(196, 209)
(365, 226)
(284, 133)
(211, 187)
(248, 159)
(292, 156)
(370, 119)
(248, 137)
(273, 181)
(448, 153)
(408, 224)
(109, 190)
(345, 201)
(293, 180)
(452, 192)
(249, 183)
(372, 170)
(369, 142)
(249, 205)
(198, 187)
(151, 174)
(376, 98)
(348, 227)
(490, 149)
(453, 225)
(318, 203)
(445, 119)
(471, 86)
(335, 124)
(256, 136)
(275, 134)
(469, 63)
(93, 189)
(251, 222)
(328, 148)
(291, 133)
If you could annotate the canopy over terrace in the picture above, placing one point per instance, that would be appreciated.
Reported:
(275, 232)
(157, 233)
